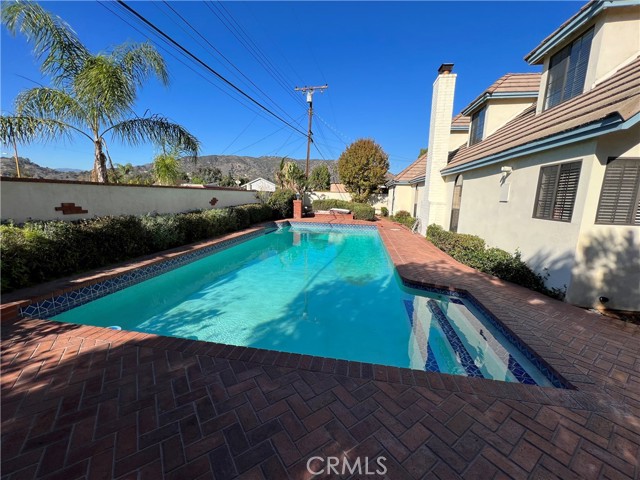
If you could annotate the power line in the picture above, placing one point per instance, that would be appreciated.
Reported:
(169, 52)
(231, 24)
(205, 65)
(229, 62)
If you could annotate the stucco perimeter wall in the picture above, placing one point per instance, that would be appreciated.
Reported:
(544, 244)
(376, 201)
(24, 199)
(607, 256)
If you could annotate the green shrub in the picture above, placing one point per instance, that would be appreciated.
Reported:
(282, 203)
(472, 251)
(258, 212)
(40, 251)
(361, 211)
(384, 211)
(404, 217)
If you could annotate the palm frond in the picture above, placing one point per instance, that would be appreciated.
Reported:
(140, 61)
(54, 41)
(105, 89)
(50, 103)
(158, 130)
(25, 129)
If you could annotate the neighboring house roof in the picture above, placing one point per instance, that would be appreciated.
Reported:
(573, 25)
(509, 85)
(460, 122)
(337, 188)
(600, 110)
(412, 173)
(258, 180)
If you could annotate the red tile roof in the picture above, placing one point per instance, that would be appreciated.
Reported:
(460, 121)
(416, 169)
(510, 83)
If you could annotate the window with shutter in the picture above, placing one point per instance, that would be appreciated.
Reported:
(568, 70)
(477, 126)
(557, 189)
(619, 202)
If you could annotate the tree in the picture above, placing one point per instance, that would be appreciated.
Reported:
(92, 95)
(290, 176)
(423, 151)
(206, 175)
(166, 168)
(362, 168)
(320, 178)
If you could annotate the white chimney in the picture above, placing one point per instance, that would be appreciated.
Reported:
(434, 201)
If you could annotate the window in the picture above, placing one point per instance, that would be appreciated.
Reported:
(620, 194)
(567, 71)
(477, 126)
(557, 188)
(455, 204)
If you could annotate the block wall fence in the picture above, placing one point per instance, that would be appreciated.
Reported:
(23, 199)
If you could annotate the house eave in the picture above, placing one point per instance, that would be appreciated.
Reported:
(481, 100)
(536, 56)
(596, 129)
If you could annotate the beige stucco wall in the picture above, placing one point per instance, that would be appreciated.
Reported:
(590, 260)
(607, 256)
(502, 110)
(400, 198)
(24, 200)
(616, 40)
(457, 138)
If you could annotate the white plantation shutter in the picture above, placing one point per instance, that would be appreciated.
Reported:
(566, 191)
(557, 190)
(619, 197)
(546, 191)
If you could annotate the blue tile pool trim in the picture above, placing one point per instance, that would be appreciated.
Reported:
(432, 363)
(454, 340)
(51, 307)
(554, 377)
(341, 227)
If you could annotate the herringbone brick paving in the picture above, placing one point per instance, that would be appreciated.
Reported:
(86, 402)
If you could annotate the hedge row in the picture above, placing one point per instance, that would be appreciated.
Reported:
(361, 211)
(404, 217)
(472, 251)
(40, 251)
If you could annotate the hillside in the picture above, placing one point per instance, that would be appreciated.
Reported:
(249, 167)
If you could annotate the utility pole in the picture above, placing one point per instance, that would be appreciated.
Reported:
(309, 91)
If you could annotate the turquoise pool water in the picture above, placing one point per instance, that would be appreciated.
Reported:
(329, 293)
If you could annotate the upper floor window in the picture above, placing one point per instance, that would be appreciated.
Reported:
(620, 194)
(557, 189)
(477, 126)
(567, 71)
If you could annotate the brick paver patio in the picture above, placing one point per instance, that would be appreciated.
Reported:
(86, 402)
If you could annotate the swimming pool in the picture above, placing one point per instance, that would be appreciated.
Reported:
(330, 292)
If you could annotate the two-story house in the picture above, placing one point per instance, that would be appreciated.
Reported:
(558, 180)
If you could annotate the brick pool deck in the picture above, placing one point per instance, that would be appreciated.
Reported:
(86, 402)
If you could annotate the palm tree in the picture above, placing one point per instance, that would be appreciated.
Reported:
(19, 129)
(92, 95)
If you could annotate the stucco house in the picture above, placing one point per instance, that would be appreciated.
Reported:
(407, 187)
(552, 168)
(260, 184)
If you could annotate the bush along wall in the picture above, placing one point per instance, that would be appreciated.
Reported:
(361, 211)
(37, 252)
(472, 251)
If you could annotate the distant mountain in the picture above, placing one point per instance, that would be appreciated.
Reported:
(33, 170)
(249, 167)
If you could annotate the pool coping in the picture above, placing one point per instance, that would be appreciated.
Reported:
(558, 364)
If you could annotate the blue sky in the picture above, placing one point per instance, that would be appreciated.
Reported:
(378, 58)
